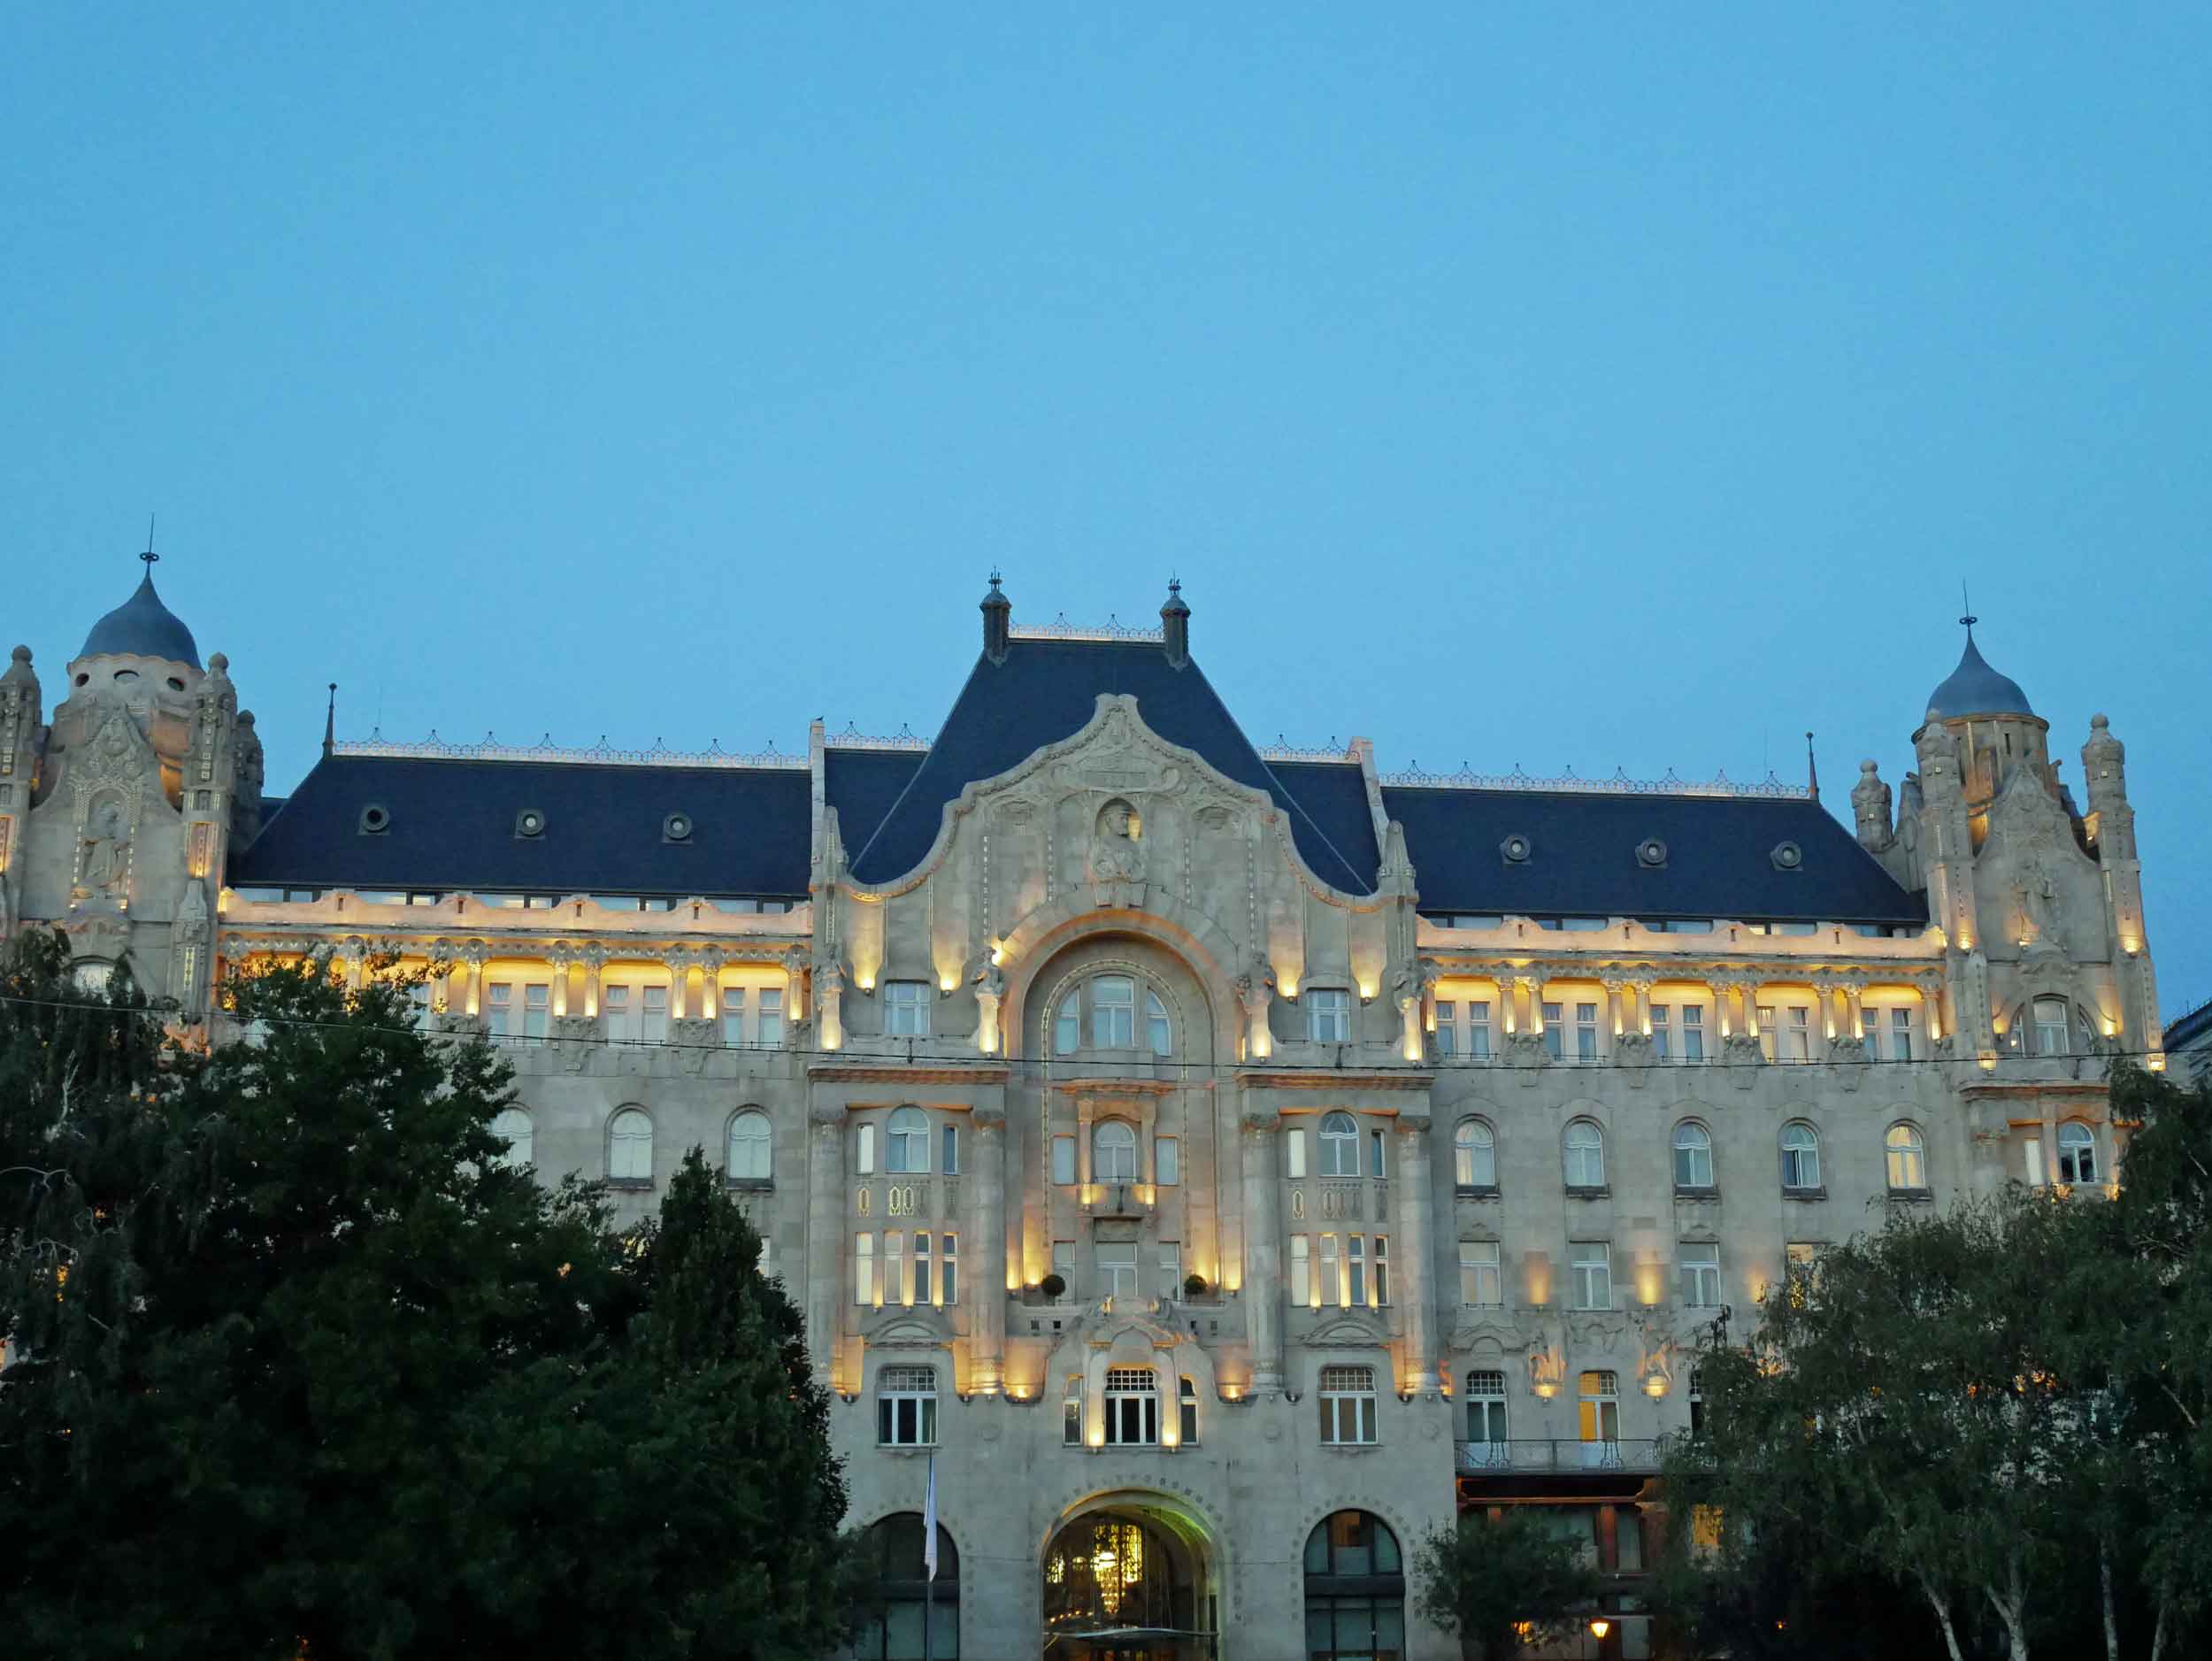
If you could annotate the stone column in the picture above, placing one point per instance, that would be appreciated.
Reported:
(986, 1343)
(796, 1011)
(1616, 1006)
(1642, 989)
(825, 1250)
(1415, 1273)
(1263, 1252)
(473, 968)
(560, 960)
(1854, 1000)
(595, 960)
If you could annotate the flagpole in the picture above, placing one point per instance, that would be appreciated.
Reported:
(929, 1559)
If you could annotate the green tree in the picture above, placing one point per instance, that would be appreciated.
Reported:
(304, 1364)
(1505, 1584)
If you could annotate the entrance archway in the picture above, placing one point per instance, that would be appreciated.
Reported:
(1129, 1581)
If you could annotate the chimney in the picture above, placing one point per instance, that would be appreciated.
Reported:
(998, 614)
(1175, 624)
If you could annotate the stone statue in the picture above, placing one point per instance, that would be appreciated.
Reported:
(106, 853)
(1117, 851)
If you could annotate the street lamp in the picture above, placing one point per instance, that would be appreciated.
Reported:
(1600, 1626)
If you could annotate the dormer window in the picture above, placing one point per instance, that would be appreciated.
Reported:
(1101, 1013)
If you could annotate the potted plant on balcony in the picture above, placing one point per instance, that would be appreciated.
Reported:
(1195, 1287)
(1051, 1286)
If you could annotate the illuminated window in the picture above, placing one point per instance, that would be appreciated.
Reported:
(1113, 1152)
(1907, 1159)
(1301, 1271)
(865, 1150)
(1328, 1015)
(906, 1009)
(1693, 1156)
(1678, 1032)
(906, 1407)
(2076, 1154)
(734, 1015)
(630, 1146)
(1586, 1155)
(1486, 1406)
(1482, 1285)
(748, 1147)
(1347, 1406)
(1132, 1407)
(1187, 1410)
(1786, 1032)
(1339, 1145)
(1700, 1267)
(1355, 1590)
(1590, 1274)
(512, 1126)
(1598, 1417)
(1554, 1020)
(1800, 1157)
(1464, 1029)
(1072, 1412)
(906, 1142)
(1474, 1155)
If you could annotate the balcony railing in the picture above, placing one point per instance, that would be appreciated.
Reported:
(1560, 1454)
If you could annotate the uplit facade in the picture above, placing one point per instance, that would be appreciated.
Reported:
(1227, 1163)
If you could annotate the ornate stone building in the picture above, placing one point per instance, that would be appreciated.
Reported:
(1227, 1163)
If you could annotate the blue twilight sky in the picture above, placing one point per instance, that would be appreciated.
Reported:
(1592, 386)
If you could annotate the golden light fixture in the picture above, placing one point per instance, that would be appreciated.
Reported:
(1600, 1626)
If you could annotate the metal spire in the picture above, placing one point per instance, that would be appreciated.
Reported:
(330, 722)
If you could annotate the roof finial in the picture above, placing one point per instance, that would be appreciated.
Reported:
(330, 722)
(1966, 605)
(150, 556)
(1812, 770)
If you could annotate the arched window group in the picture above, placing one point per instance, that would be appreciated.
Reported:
(1356, 1590)
(906, 1144)
(1101, 1013)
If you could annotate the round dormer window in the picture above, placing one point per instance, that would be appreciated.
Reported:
(1516, 849)
(677, 827)
(175, 685)
(530, 822)
(1788, 856)
(1651, 853)
(124, 677)
(375, 819)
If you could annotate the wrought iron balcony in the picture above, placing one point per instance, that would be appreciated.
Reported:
(1477, 1458)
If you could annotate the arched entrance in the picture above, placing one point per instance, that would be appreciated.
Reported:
(1129, 1581)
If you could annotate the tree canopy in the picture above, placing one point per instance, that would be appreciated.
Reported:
(301, 1363)
(1506, 1583)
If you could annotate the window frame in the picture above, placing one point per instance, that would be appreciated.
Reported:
(746, 1116)
(1328, 1014)
(1130, 1397)
(1337, 1142)
(1345, 1388)
(1491, 1267)
(906, 1005)
(2074, 1142)
(1592, 1148)
(1116, 1128)
(912, 1387)
(1590, 1274)
(1910, 1155)
(1485, 1389)
(616, 1137)
(1474, 1153)
(905, 1127)
(1697, 1274)
(1812, 1133)
(1690, 1141)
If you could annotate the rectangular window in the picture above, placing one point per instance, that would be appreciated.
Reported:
(1801, 1267)
(949, 1268)
(1117, 1262)
(1063, 1265)
(1766, 1031)
(1294, 1154)
(1167, 1161)
(1447, 1027)
(1114, 1012)
(618, 1013)
(499, 1009)
(1700, 1267)
(2050, 1026)
(653, 1023)
(1481, 1283)
(1786, 1033)
(1486, 1406)
(2033, 1151)
(1187, 1410)
(1301, 1271)
(1381, 1268)
(1591, 1267)
(1478, 1032)
(895, 1290)
(1374, 1153)
(922, 1262)
(951, 1138)
(1554, 1020)
(732, 1015)
(537, 1009)
(1329, 1295)
(864, 1150)
(1693, 1032)
(1329, 1015)
(1662, 1033)
(1900, 1034)
(865, 1270)
(1585, 1032)
(770, 1033)
(1132, 1407)
(1355, 1270)
(1072, 1412)
(1347, 1406)
(1063, 1161)
(906, 1407)
(906, 1009)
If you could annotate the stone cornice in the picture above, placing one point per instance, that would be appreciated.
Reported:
(1338, 1078)
(832, 1071)
(1714, 966)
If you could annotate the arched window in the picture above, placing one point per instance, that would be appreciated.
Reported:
(1101, 1013)
(2076, 1154)
(1906, 1157)
(906, 1142)
(630, 1146)
(1339, 1146)
(1486, 1415)
(1113, 1152)
(905, 1594)
(512, 1126)
(1586, 1155)
(748, 1152)
(1693, 1156)
(1800, 1157)
(1474, 1155)
(1186, 1411)
(1356, 1590)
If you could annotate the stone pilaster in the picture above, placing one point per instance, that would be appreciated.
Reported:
(1263, 1252)
(1414, 1291)
(986, 1343)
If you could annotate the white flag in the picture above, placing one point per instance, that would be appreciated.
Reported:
(929, 1520)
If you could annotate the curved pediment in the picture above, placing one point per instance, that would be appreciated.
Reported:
(1348, 1330)
(902, 1328)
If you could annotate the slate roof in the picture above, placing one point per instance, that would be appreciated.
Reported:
(1048, 689)
(452, 825)
(1583, 861)
(141, 627)
(863, 785)
(1975, 688)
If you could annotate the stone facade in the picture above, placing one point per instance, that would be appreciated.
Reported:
(1355, 1204)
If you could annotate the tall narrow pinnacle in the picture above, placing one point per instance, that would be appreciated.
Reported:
(330, 722)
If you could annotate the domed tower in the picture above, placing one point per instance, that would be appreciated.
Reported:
(1993, 729)
(133, 796)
